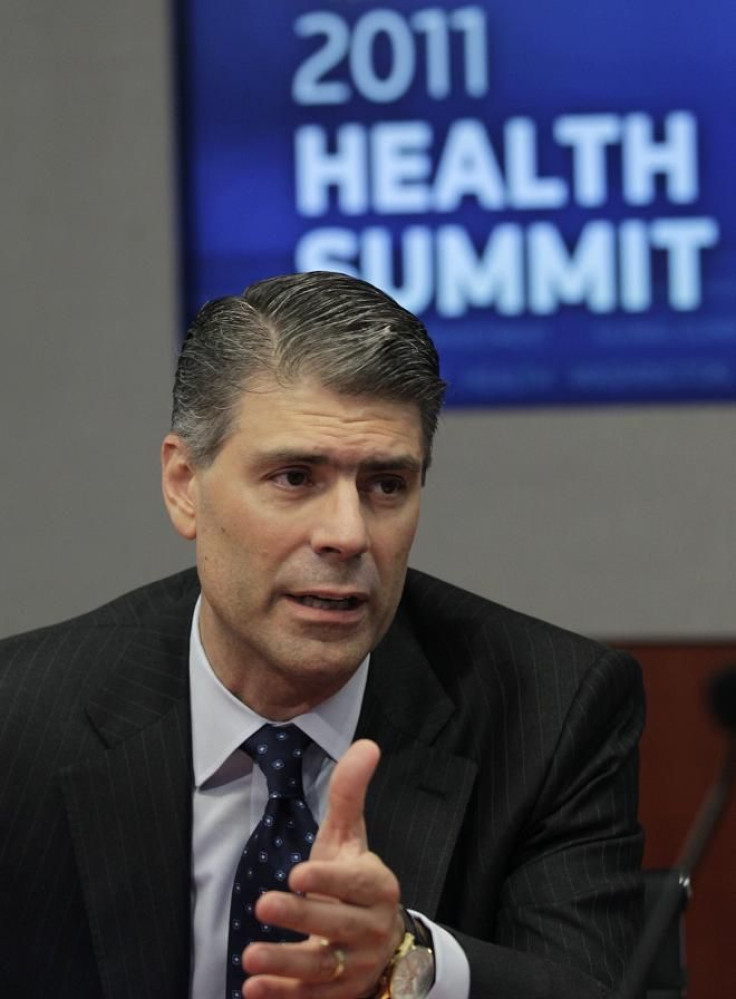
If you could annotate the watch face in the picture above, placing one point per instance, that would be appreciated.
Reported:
(413, 975)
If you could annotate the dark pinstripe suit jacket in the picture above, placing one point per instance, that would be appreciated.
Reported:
(505, 800)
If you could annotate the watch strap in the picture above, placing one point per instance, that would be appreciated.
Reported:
(417, 929)
(416, 934)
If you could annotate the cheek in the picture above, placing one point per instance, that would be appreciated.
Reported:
(392, 549)
(258, 543)
(408, 527)
(234, 524)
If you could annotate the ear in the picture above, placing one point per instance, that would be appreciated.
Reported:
(178, 484)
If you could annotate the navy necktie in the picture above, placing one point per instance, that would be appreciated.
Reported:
(282, 838)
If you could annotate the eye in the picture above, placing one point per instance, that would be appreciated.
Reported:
(292, 478)
(388, 485)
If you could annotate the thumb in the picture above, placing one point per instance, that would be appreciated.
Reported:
(343, 821)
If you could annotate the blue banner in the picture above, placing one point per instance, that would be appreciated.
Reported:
(550, 186)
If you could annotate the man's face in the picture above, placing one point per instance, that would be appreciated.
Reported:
(303, 525)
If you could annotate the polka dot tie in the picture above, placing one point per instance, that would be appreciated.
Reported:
(282, 838)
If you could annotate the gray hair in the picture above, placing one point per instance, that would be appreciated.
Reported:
(349, 335)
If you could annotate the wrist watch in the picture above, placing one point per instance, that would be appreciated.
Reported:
(410, 972)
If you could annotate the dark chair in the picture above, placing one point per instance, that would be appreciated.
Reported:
(667, 977)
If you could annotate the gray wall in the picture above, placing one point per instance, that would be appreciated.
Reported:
(614, 522)
(88, 289)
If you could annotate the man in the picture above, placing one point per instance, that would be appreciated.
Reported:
(490, 788)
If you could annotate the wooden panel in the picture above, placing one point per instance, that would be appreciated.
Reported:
(681, 751)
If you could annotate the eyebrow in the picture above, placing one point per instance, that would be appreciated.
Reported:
(392, 463)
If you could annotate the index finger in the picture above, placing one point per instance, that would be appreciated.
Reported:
(348, 785)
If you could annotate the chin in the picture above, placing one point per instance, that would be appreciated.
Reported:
(329, 663)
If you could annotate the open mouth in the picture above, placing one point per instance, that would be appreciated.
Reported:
(328, 603)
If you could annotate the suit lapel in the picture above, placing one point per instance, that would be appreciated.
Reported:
(419, 793)
(129, 805)
(129, 809)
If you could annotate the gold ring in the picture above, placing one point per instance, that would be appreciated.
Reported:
(339, 956)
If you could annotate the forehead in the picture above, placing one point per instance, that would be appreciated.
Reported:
(306, 414)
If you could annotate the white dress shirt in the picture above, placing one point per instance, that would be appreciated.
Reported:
(229, 798)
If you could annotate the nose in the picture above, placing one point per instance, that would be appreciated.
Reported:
(340, 528)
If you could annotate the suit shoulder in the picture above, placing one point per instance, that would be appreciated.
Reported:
(49, 676)
(451, 621)
(145, 607)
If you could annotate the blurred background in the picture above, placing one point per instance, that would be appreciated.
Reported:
(613, 520)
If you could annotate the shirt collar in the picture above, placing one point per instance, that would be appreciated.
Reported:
(221, 723)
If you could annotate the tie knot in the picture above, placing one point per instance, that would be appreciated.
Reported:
(278, 751)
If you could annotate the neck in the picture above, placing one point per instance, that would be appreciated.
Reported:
(277, 701)
(275, 691)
